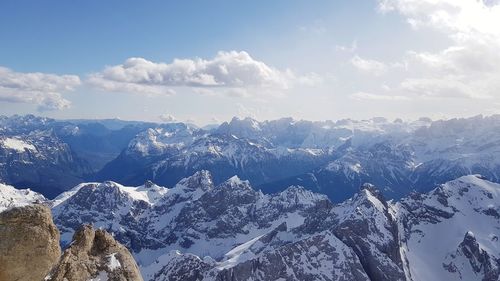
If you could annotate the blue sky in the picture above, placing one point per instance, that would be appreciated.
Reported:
(265, 59)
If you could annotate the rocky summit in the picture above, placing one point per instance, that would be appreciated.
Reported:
(29, 250)
(95, 254)
(29, 243)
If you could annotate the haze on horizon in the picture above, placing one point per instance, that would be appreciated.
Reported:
(205, 62)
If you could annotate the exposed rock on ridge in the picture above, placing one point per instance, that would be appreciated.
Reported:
(29, 243)
(95, 254)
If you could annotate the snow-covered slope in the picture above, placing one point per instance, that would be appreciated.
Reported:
(199, 231)
(12, 197)
(452, 232)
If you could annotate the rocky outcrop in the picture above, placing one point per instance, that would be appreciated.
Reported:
(470, 252)
(95, 254)
(30, 251)
(29, 243)
(366, 226)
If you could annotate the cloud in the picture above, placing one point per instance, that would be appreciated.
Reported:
(44, 90)
(167, 118)
(378, 97)
(374, 67)
(441, 88)
(455, 17)
(227, 70)
(349, 49)
(469, 66)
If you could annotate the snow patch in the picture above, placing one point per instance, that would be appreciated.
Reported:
(113, 262)
(18, 145)
(12, 197)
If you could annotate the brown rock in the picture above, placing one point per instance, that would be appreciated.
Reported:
(29, 243)
(95, 253)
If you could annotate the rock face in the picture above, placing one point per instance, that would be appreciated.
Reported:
(95, 255)
(320, 257)
(201, 231)
(365, 225)
(29, 250)
(28, 240)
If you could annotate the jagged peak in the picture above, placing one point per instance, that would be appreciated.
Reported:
(370, 195)
(469, 234)
(149, 192)
(371, 189)
(149, 184)
(236, 182)
(240, 127)
(199, 180)
(301, 195)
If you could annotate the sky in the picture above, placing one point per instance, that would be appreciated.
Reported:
(207, 61)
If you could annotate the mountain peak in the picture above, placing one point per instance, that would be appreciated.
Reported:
(199, 180)
(235, 182)
(372, 190)
(242, 128)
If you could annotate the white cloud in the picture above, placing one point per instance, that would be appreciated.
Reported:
(227, 70)
(167, 118)
(44, 90)
(470, 66)
(378, 97)
(349, 49)
(370, 66)
(456, 17)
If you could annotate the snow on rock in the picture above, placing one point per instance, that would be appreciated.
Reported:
(12, 197)
(199, 231)
(194, 216)
(113, 262)
(434, 226)
(17, 145)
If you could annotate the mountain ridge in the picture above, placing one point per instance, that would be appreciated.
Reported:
(217, 231)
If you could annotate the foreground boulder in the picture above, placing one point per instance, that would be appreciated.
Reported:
(95, 254)
(29, 243)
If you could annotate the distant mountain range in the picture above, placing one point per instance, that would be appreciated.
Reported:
(332, 158)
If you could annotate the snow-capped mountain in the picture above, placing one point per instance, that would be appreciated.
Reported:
(12, 197)
(39, 159)
(415, 157)
(51, 156)
(200, 231)
(168, 154)
(266, 153)
(459, 223)
(332, 158)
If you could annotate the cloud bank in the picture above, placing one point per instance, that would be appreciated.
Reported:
(229, 70)
(468, 68)
(43, 90)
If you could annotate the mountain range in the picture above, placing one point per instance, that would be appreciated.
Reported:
(197, 230)
(332, 158)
